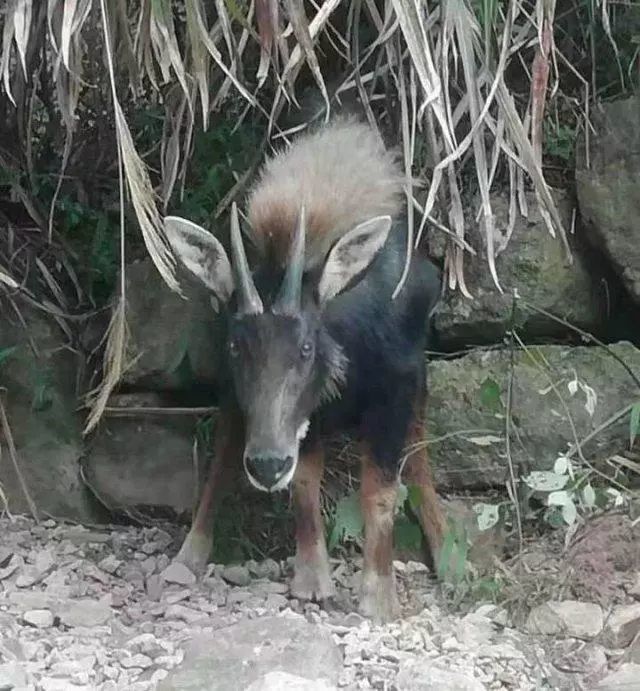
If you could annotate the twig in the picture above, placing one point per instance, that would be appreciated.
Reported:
(115, 411)
(6, 429)
(512, 474)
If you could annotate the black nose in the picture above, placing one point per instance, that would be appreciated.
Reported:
(268, 470)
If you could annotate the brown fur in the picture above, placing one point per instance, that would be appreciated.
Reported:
(378, 494)
(417, 472)
(306, 496)
(341, 172)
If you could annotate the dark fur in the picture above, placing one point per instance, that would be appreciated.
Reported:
(369, 368)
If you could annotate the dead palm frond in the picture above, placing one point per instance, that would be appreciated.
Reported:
(447, 60)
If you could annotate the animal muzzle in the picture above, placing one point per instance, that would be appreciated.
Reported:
(269, 471)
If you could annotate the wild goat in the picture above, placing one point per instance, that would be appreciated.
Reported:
(316, 344)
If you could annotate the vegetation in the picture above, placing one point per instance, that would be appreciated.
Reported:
(115, 113)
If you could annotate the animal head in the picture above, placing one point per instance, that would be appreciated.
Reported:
(282, 359)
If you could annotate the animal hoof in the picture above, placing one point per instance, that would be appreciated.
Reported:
(194, 553)
(379, 599)
(312, 582)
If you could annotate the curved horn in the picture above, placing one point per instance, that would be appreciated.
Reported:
(290, 296)
(249, 301)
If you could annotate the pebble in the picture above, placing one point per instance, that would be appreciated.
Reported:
(138, 661)
(60, 629)
(237, 575)
(85, 613)
(40, 618)
(178, 573)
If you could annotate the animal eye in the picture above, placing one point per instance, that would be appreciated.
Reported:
(233, 349)
(306, 349)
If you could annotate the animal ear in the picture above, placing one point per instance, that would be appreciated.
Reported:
(352, 255)
(201, 254)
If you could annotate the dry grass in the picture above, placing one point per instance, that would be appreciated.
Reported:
(446, 61)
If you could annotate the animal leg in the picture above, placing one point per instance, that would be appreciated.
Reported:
(311, 580)
(417, 471)
(196, 547)
(378, 597)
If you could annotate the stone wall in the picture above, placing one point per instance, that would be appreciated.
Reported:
(147, 460)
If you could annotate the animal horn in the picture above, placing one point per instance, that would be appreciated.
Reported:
(290, 296)
(249, 301)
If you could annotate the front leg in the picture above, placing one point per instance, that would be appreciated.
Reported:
(312, 579)
(224, 467)
(379, 490)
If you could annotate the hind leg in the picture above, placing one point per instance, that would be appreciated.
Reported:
(224, 467)
(379, 489)
(417, 472)
(312, 579)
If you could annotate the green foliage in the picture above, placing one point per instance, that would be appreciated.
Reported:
(217, 153)
(43, 392)
(6, 353)
(454, 554)
(348, 522)
(559, 140)
(490, 395)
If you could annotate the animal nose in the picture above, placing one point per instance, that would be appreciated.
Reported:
(268, 470)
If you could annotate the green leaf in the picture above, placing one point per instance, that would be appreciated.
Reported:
(634, 424)
(415, 497)
(6, 353)
(403, 493)
(407, 534)
(545, 481)
(490, 395)
(488, 515)
(348, 523)
(589, 495)
(569, 512)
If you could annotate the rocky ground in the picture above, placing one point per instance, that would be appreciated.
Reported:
(104, 608)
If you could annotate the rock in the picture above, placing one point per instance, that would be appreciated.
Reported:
(173, 338)
(570, 618)
(535, 264)
(179, 574)
(85, 613)
(283, 681)
(238, 655)
(634, 590)
(109, 564)
(142, 462)
(40, 618)
(13, 676)
(236, 575)
(14, 563)
(423, 675)
(265, 569)
(39, 378)
(469, 393)
(632, 653)
(608, 189)
(182, 613)
(577, 657)
(623, 679)
(137, 660)
(622, 626)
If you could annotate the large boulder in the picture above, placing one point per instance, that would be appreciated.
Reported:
(38, 372)
(534, 264)
(172, 340)
(242, 654)
(467, 409)
(145, 461)
(608, 187)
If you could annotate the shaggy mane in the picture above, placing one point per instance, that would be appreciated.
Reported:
(343, 174)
